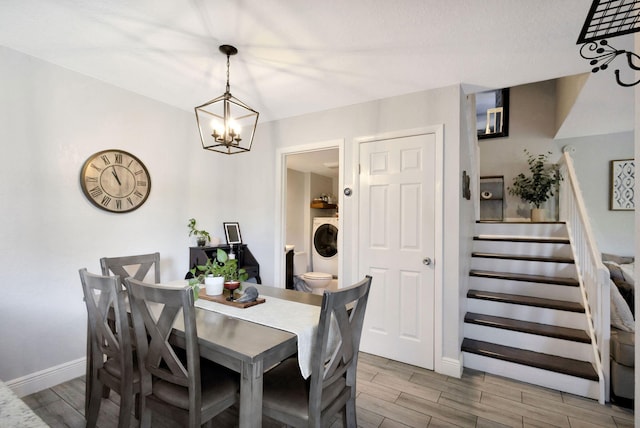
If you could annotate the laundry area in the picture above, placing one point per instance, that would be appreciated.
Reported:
(312, 251)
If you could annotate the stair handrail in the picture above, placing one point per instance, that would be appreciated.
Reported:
(593, 276)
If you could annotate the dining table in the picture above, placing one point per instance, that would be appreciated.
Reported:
(247, 347)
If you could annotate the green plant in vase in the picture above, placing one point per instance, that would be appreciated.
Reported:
(220, 266)
(537, 187)
(202, 236)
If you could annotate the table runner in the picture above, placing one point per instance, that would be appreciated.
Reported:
(298, 318)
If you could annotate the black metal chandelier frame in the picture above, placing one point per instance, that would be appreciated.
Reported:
(230, 114)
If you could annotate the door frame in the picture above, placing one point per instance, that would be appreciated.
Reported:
(281, 199)
(438, 301)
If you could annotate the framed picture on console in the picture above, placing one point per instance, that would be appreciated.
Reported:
(232, 232)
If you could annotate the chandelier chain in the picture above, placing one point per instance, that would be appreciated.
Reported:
(228, 86)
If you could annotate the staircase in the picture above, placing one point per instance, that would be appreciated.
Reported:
(525, 318)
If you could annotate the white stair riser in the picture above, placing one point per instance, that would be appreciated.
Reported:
(523, 248)
(564, 270)
(523, 288)
(528, 313)
(532, 375)
(531, 342)
(555, 230)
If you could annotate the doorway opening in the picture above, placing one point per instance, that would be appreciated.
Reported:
(309, 180)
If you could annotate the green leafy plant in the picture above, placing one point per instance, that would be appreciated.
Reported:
(221, 265)
(540, 185)
(200, 234)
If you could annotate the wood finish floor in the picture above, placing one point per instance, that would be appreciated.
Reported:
(394, 395)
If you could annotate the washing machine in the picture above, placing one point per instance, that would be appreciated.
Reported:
(324, 257)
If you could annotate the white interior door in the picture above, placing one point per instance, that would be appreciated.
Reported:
(396, 242)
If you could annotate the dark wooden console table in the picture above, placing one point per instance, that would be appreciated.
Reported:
(246, 260)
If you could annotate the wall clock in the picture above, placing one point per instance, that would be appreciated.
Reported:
(115, 181)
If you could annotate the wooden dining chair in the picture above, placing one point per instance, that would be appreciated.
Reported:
(175, 382)
(112, 363)
(136, 266)
(314, 402)
(124, 266)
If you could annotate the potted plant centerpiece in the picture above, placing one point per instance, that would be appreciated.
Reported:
(539, 186)
(202, 236)
(210, 274)
(218, 273)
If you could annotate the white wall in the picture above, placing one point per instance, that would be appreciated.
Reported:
(441, 106)
(614, 230)
(532, 126)
(51, 121)
(296, 199)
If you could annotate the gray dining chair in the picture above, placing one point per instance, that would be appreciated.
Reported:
(314, 402)
(175, 383)
(109, 350)
(124, 266)
(136, 266)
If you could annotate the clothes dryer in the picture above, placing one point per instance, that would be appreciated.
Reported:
(324, 257)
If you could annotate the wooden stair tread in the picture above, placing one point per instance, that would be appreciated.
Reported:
(517, 299)
(537, 240)
(526, 277)
(568, 366)
(565, 333)
(523, 258)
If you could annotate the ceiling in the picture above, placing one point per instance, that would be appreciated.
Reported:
(301, 56)
(321, 162)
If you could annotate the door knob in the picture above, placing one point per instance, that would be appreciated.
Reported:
(426, 261)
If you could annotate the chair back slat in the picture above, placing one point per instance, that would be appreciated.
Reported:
(341, 316)
(155, 309)
(137, 266)
(103, 297)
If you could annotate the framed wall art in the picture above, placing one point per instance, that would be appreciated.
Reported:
(622, 183)
(492, 113)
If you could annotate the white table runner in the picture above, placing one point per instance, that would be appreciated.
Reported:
(298, 318)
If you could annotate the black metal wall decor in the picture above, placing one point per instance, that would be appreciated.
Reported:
(606, 19)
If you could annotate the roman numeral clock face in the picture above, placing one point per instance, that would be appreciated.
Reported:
(115, 180)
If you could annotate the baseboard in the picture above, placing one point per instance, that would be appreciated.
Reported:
(47, 378)
(450, 367)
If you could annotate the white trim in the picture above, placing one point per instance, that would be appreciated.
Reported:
(441, 364)
(281, 190)
(450, 367)
(47, 378)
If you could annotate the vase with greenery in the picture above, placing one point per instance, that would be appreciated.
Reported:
(220, 266)
(543, 180)
(202, 236)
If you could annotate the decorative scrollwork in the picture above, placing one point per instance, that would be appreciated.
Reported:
(600, 54)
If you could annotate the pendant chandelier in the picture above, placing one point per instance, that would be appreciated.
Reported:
(226, 124)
